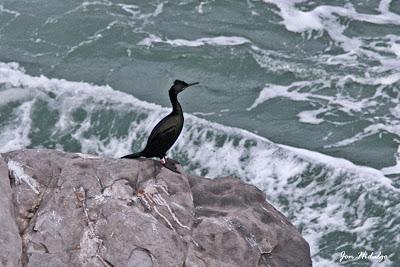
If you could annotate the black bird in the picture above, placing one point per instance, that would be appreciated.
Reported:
(167, 131)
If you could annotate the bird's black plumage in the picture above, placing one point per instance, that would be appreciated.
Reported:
(167, 131)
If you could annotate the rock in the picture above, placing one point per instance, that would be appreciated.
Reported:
(66, 209)
(10, 240)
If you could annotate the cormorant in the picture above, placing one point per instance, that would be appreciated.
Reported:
(167, 131)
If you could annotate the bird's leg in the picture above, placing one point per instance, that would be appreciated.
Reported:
(163, 161)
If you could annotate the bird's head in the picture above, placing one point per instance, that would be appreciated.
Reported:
(179, 86)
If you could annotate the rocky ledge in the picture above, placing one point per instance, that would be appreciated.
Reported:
(64, 209)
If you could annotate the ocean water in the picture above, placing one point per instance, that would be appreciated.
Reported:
(300, 98)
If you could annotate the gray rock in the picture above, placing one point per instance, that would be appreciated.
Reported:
(66, 209)
(10, 240)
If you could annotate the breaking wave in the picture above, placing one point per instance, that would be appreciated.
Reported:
(329, 199)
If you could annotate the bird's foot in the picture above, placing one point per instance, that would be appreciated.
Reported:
(169, 164)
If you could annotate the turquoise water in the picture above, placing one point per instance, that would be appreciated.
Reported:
(299, 98)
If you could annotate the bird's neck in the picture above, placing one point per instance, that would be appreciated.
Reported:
(176, 107)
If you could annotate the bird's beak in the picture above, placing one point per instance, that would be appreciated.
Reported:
(190, 84)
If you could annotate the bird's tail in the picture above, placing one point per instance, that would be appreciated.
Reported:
(133, 156)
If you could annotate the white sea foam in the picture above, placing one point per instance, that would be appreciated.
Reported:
(318, 188)
(324, 18)
(395, 169)
(272, 91)
(277, 62)
(131, 9)
(296, 20)
(15, 135)
(214, 41)
(6, 10)
(358, 52)
(294, 92)
(69, 93)
(310, 116)
(368, 131)
(327, 102)
(93, 38)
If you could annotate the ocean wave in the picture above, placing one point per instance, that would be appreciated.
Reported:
(324, 18)
(354, 96)
(327, 198)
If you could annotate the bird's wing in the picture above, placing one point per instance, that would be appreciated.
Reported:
(163, 135)
(163, 127)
